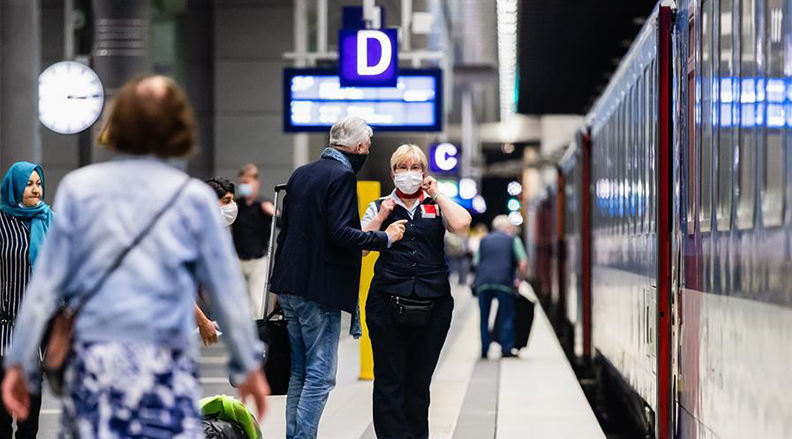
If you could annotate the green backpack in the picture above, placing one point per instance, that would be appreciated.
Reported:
(232, 410)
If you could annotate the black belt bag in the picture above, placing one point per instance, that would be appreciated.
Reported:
(411, 312)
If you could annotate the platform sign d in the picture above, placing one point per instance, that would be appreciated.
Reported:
(368, 57)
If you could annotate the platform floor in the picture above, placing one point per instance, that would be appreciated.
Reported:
(535, 396)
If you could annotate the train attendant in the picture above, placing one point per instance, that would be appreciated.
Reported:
(409, 307)
(24, 222)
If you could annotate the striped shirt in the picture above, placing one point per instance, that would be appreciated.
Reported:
(14, 273)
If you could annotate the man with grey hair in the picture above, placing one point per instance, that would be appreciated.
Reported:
(317, 267)
(500, 257)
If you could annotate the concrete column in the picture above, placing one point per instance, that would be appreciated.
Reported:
(121, 45)
(20, 46)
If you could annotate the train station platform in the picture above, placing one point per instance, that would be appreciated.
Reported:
(536, 395)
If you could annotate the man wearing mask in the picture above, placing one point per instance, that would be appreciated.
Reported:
(251, 232)
(224, 190)
(317, 267)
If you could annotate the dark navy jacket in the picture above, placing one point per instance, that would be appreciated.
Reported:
(319, 247)
(416, 264)
(497, 261)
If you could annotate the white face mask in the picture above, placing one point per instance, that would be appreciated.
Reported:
(229, 212)
(408, 182)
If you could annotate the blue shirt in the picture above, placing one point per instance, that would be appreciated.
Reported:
(149, 298)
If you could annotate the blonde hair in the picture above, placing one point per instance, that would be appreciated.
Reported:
(406, 152)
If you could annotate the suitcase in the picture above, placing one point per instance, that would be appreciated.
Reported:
(272, 328)
(523, 321)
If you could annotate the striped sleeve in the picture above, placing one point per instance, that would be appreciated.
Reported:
(14, 274)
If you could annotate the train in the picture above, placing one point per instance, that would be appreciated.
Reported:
(663, 247)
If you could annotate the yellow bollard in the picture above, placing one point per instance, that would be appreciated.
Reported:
(368, 191)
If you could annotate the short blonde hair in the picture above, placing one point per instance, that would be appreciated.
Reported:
(406, 152)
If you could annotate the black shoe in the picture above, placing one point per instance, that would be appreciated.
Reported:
(483, 356)
(509, 355)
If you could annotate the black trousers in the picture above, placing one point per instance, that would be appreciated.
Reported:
(26, 429)
(404, 360)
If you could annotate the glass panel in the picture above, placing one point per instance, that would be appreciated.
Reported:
(705, 211)
(726, 137)
(639, 159)
(693, 126)
(620, 171)
(773, 178)
(653, 149)
(648, 148)
(629, 151)
(748, 115)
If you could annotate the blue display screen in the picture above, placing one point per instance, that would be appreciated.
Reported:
(314, 100)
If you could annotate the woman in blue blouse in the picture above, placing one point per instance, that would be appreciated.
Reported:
(133, 369)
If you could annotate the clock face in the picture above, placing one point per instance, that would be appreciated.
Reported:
(71, 97)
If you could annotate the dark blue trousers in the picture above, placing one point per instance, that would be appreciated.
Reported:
(504, 319)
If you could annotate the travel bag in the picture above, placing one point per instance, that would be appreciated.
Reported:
(272, 328)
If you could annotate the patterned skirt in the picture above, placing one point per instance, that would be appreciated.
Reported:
(123, 390)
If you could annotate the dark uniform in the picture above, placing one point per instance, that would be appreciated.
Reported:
(405, 357)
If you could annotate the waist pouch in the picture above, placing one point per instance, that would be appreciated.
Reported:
(412, 312)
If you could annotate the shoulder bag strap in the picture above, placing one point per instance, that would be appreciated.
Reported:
(121, 256)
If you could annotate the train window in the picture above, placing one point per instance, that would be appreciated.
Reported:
(639, 154)
(725, 101)
(650, 164)
(705, 211)
(636, 145)
(620, 170)
(773, 178)
(693, 124)
(647, 146)
(749, 119)
(629, 156)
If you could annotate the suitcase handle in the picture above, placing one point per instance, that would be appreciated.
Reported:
(271, 252)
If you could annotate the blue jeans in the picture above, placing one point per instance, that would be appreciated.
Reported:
(313, 334)
(504, 319)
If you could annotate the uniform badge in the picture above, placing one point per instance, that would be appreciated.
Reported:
(428, 211)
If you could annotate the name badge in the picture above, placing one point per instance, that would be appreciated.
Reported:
(428, 211)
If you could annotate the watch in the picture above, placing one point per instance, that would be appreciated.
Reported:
(71, 97)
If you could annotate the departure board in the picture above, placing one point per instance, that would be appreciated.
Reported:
(314, 100)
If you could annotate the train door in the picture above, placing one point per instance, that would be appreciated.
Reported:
(666, 180)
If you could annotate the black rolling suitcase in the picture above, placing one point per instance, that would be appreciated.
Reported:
(523, 320)
(272, 328)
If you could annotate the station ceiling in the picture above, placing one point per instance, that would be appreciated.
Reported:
(568, 50)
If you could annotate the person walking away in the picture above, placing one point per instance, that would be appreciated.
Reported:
(224, 190)
(317, 267)
(25, 220)
(500, 257)
(251, 232)
(133, 369)
(413, 271)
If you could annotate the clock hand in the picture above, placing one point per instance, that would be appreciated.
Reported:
(83, 97)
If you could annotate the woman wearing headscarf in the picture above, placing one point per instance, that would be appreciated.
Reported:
(24, 222)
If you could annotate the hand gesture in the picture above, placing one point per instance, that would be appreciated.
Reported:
(395, 231)
(386, 208)
(208, 332)
(429, 186)
(15, 394)
(256, 386)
